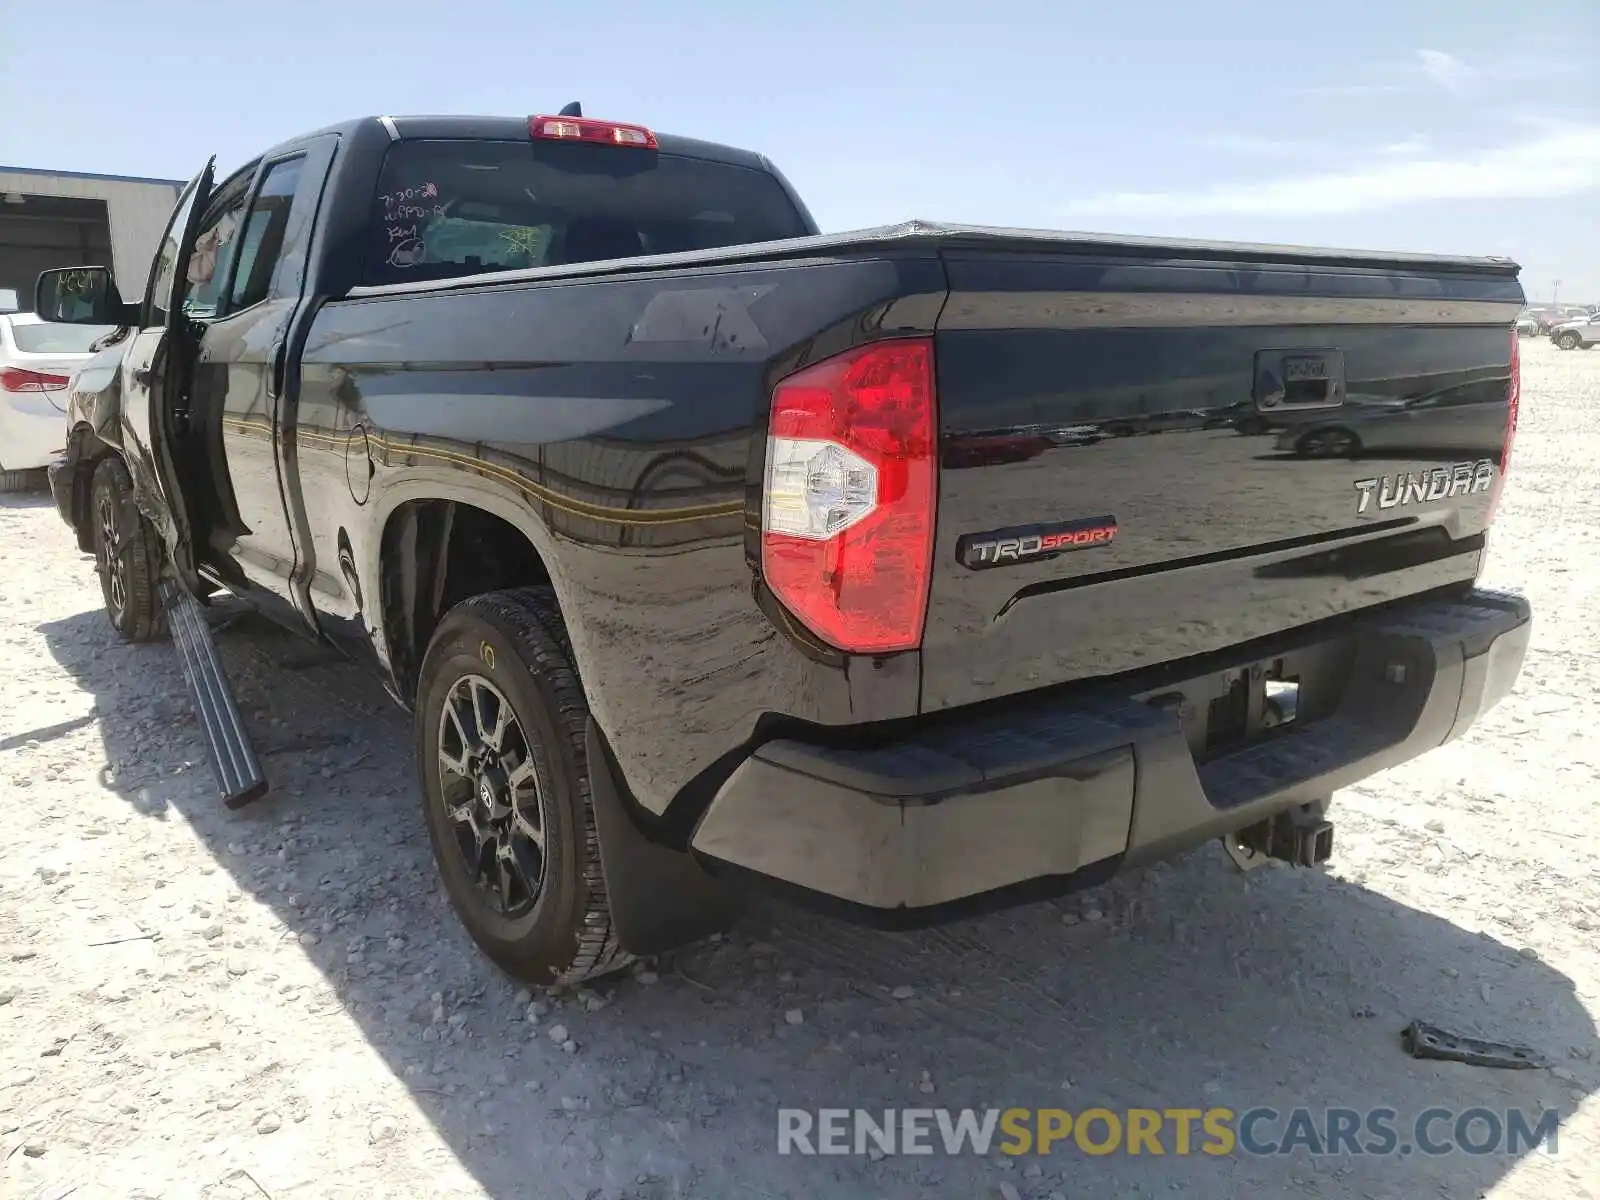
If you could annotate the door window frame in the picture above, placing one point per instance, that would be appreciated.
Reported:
(263, 169)
(222, 198)
(180, 215)
(255, 176)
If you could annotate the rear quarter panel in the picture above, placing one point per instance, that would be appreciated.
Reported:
(620, 424)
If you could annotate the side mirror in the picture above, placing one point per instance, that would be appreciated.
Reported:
(81, 296)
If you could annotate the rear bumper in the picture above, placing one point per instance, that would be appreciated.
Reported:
(1048, 796)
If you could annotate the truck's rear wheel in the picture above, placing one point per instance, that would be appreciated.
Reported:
(505, 786)
(1328, 443)
(127, 554)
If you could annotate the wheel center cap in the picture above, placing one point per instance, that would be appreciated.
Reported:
(486, 794)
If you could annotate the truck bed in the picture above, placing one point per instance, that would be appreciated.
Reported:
(935, 236)
(1078, 378)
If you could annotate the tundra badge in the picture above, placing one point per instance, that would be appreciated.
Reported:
(1424, 487)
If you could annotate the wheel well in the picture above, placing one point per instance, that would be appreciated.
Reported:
(435, 554)
(91, 450)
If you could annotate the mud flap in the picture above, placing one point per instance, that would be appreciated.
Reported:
(660, 897)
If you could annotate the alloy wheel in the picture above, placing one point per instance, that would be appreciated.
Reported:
(1326, 443)
(110, 555)
(489, 784)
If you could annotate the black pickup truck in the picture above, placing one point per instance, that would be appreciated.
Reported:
(909, 572)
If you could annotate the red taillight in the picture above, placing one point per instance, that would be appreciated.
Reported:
(1514, 398)
(15, 379)
(581, 129)
(848, 508)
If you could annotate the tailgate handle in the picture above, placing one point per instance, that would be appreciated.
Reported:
(1083, 770)
(1293, 380)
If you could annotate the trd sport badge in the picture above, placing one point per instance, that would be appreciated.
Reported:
(1028, 543)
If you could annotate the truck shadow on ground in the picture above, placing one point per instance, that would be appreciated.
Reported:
(1184, 986)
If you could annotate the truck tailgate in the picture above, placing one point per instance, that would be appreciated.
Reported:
(1144, 460)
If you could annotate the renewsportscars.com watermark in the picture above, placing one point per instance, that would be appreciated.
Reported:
(1177, 1131)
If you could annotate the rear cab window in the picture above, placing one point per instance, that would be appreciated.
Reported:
(447, 208)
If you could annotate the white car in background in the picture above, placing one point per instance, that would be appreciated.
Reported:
(1570, 335)
(36, 361)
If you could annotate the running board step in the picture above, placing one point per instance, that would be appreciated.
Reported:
(233, 759)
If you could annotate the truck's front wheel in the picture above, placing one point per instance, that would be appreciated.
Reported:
(127, 554)
(505, 784)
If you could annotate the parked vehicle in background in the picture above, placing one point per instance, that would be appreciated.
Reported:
(1548, 316)
(1074, 435)
(1160, 422)
(1572, 335)
(710, 552)
(1459, 420)
(1529, 325)
(36, 361)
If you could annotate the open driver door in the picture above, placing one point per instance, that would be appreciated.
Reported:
(157, 372)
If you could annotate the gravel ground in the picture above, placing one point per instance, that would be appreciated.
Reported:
(278, 1003)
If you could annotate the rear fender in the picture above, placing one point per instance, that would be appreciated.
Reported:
(461, 487)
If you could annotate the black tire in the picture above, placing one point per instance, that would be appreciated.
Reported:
(512, 647)
(1328, 442)
(127, 554)
(1569, 341)
(23, 481)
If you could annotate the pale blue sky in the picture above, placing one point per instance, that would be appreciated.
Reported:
(1466, 126)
